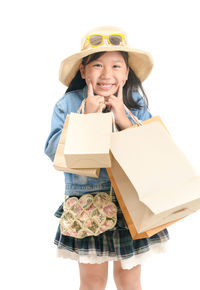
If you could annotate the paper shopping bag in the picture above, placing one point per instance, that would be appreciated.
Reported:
(59, 162)
(156, 182)
(125, 198)
(87, 142)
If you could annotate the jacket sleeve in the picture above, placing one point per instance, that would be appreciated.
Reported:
(57, 124)
(143, 113)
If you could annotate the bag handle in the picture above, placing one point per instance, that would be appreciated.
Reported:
(82, 107)
(135, 119)
(138, 123)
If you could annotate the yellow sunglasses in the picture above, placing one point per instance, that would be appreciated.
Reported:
(99, 39)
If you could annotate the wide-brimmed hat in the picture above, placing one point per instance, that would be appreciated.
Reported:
(140, 62)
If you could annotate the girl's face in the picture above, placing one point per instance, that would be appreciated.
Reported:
(106, 73)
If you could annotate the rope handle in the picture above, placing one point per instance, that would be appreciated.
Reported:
(138, 123)
(82, 107)
(111, 192)
(134, 118)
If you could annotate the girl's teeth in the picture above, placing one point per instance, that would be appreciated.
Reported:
(105, 85)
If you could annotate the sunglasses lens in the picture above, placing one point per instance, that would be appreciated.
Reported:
(115, 39)
(96, 39)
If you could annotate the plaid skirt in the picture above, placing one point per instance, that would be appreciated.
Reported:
(115, 244)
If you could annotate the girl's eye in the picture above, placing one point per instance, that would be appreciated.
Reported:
(116, 66)
(98, 65)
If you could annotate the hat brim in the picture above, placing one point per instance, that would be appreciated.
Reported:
(140, 62)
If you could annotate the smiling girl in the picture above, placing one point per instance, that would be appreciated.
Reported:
(106, 73)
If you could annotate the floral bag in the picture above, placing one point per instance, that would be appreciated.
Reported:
(89, 215)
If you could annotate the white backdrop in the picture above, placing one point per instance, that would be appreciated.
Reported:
(35, 37)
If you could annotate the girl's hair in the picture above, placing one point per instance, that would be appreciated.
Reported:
(133, 84)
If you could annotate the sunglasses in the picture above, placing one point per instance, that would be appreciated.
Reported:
(99, 39)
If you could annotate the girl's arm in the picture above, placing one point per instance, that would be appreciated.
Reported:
(57, 123)
(142, 114)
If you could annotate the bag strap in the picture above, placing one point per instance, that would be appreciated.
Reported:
(138, 123)
(82, 107)
(135, 119)
(111, 192)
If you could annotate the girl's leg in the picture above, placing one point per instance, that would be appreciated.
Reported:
(127, 279)
(93, 276)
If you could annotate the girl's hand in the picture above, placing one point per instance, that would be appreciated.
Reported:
(93, 103)
(117, 105)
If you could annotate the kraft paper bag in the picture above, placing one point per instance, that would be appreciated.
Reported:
(87, 142)
(128, 192)
(59, 162)
(156, 182)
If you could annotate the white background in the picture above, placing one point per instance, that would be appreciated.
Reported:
(35, 37)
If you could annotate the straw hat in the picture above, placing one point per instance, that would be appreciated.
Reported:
(140, 61)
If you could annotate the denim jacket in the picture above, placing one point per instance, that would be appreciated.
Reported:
(70, 102)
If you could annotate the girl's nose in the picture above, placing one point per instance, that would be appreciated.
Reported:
(106, 72)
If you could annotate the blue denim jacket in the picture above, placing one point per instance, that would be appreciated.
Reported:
(70, 102)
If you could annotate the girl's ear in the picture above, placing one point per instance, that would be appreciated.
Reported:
(82, 71)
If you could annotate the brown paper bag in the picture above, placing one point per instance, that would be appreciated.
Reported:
(59, 162)
(87, 142)
(154, 179)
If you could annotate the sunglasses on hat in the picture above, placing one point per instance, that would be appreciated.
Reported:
(99, 39)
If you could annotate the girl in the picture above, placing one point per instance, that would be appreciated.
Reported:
(109, 73)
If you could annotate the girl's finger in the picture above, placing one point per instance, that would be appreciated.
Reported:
(102, 106)
(120, 91)
(100, 99)
(90, 89)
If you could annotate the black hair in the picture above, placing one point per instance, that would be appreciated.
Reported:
(133, 83)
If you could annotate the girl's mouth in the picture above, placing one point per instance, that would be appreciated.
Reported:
(105, 86)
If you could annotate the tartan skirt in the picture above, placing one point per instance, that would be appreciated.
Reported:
(115, 244)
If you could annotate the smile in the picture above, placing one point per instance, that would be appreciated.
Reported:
(105, 86)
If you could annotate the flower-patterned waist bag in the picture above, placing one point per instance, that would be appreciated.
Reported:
(89, 215)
